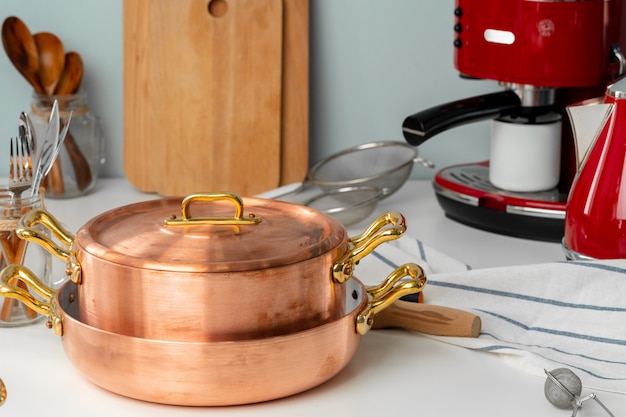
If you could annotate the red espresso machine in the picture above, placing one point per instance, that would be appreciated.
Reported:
(545, 55)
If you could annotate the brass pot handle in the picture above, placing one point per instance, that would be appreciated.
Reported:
(11, 274)
(407, 279)
(25, 230)
(186, 219)
(389, 226)
(3, 392)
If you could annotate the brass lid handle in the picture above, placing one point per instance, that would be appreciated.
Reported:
(187, 220)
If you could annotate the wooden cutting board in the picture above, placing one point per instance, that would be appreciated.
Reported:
(203, 95)
(295, 114)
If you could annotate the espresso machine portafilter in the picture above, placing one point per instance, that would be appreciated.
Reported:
(545, 55)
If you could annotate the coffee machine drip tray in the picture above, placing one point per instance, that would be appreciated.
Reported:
(466, 195)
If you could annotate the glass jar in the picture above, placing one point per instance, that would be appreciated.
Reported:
(75, 171)
(14, 250)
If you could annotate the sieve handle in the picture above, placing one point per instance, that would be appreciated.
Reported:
(303, 192)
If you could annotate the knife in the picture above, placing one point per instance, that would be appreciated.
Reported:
(51, 146)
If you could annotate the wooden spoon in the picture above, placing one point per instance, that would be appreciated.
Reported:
(69, 83)
(72, 75)
(21, 49)
(51, 60)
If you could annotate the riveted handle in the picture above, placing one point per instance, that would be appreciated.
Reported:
(406, 279)
(11, 274)
(389, 226)
(237, 219)
(3, 392)
(26, 230)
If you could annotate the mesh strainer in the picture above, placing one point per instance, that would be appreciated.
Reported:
(349, 205)
(347, 178)
(384, 165)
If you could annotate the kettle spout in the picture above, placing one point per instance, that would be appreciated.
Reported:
(587, 118)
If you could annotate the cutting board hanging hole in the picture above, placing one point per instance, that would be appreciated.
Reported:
(217, 8)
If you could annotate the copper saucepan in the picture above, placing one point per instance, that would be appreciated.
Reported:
(156, 270)
(216, 372)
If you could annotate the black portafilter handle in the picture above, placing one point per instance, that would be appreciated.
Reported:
(427, 123)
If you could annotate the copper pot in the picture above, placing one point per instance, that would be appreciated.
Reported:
(154, 270)
(215, 372)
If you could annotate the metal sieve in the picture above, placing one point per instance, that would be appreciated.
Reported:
(349, 183)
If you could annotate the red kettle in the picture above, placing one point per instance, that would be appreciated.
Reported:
(595, 216)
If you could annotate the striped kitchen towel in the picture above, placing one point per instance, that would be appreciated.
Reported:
(535, 317)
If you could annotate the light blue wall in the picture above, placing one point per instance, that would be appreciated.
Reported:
(373, 62)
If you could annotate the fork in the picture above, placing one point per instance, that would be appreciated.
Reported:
(20, 167)
(20, 180)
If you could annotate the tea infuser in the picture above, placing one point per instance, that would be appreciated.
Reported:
(563, 388)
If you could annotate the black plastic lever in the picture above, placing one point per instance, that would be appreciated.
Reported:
(427, 123)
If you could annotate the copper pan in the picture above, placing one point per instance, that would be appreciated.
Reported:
(212, 373)
(154, 270)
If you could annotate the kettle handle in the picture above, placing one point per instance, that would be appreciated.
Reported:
(618, 55)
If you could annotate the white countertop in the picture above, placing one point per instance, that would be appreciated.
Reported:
(394, 372)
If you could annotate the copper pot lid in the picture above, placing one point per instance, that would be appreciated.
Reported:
(218, 232)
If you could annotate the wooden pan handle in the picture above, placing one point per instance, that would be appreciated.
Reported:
(429, 319)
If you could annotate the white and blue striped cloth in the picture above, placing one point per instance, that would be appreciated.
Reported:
(535, 317)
